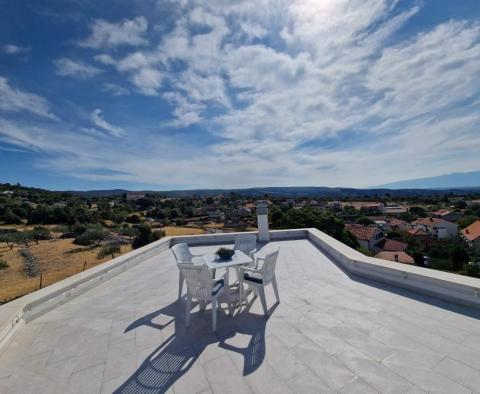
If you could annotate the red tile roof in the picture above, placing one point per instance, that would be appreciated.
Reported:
(417, 231)
(429, 221)
(390, 245)
(472, 232)
(400, 257)
(360, 232)
(394, 222)
(442, 212)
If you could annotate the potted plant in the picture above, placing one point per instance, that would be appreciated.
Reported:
(225, 253)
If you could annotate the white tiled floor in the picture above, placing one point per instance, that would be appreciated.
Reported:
(330, 333)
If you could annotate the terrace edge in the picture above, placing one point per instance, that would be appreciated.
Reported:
(445, 286)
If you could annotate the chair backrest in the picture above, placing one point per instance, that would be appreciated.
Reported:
(182, 253)
(199, 281)
(268, 266)
(245, 243)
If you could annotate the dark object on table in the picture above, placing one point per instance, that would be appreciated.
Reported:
(225, 254)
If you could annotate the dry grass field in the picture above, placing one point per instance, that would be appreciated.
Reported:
(174, 231)
(57, 259)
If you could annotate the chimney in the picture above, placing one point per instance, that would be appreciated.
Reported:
(262, 219)
(396, 258)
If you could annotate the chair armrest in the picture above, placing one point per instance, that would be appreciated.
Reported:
(253, 270)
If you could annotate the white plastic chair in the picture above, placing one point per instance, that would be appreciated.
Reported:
(246, 243)
(260, 277)
(184, 257)
(202, 288)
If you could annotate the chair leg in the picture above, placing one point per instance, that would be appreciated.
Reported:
(180, 284)
(261, 292)
(275, 288)
(240, 293)
(188, 309)
(228, 297)
(214, 313)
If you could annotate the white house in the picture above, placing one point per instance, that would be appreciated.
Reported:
(367, 236)
(437, 228)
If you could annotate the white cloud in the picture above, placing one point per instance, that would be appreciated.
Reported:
(66, 67)
(185, 113)
(105, 59)
(16, 100)
(105, 34)
(115, 89)
(329, 94)
(253, 30)
(98, 120)
(12, 49)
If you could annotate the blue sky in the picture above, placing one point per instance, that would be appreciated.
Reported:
(199, 94)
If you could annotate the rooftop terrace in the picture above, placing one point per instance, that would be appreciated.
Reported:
(333, 331)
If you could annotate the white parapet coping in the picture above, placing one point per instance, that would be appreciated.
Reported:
(450, 287)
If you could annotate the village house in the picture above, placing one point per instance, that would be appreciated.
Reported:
(391, 245)
(382, 224)
(398, 257)
(471, 235)
(399, 225)
(473, 202)
(445, 214)
(423, 238)
(367, 236)
(395, 210)
(437, 228)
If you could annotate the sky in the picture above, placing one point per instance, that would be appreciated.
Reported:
(164, 94)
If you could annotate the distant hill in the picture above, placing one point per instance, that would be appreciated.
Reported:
(292, 192)
(256, 192)
(100, 193)
(447, 181)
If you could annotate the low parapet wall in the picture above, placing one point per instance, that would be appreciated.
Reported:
(446, 286)
(456, 288)
(24, 309)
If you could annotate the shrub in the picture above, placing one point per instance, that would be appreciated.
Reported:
(419, 259)
(134, 219)
(108, 250)
(145, 236)
(130, 232)
(364, 221)
(10, 218)
(8, 238)
(60, 229)
(471, 270)
(40, 233)
(30, 263)
(90, 236)
(459, 258)
(3, 264)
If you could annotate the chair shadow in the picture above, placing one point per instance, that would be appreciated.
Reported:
(178, 353)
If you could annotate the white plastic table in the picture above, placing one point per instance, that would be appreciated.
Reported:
(238, 260)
